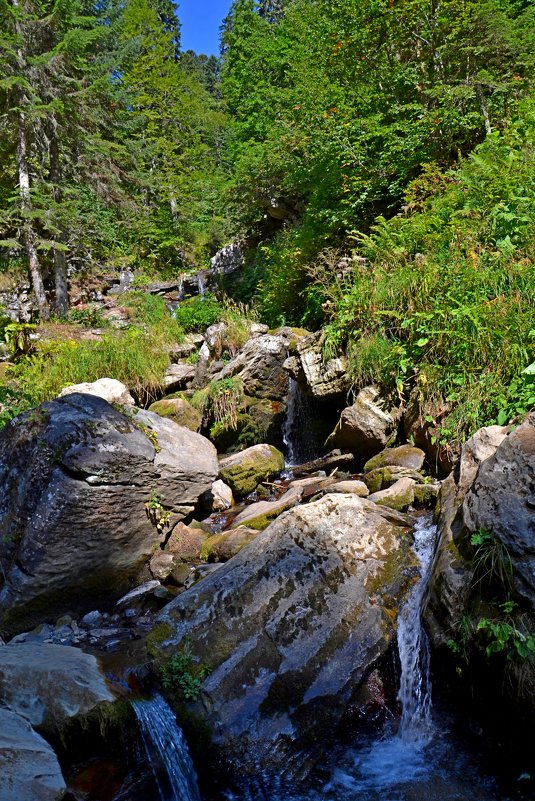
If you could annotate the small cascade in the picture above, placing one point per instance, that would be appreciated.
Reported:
(414, 655)
(166, 750)
(201, 285)
(299, 440)
(181, 291)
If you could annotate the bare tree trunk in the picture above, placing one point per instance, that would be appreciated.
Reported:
(484, 109)
(60, 262)
(30, 239)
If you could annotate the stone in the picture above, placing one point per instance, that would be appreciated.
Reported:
(399, 496)
(178, 376)
(29, 768)
(427, 493)
(259, 515)
(222, 547)
(77, 477)
(137, 594)
(290, 627)
(162, 565)
(382, 477)
(324, 379)
(178, 410)
(367, 426)
(259, 364)
(185, 543)
(502, 501)
(244, 471)
(109, 389)
(219, 498)
(421, 425)
(180, 575)
(402, 456)
(353, 486)
(451, 576)
(50, 684)
(93, 618)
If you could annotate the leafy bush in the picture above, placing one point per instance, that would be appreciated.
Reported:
(182, 674)
(220, 401)
(196, 314)
(87, 315)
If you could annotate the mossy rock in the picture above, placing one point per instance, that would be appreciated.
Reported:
(399, 496)
(221, 547)
(244, 471)
(403, 456)
(382, 477)
(229, 439)
(178, 410)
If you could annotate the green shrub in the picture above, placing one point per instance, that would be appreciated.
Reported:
(219, 401)
(87, 315)
(183, 675)
(196, 314)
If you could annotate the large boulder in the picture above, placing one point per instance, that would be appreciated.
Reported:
(290, 627)
(366, 427)
(79, 483)
(49, 684)
(501, 501)
(323, 378)
(29, 768)
(109, 389)
(402, 456)
(244, 471)
(259, 365)
(451, 576)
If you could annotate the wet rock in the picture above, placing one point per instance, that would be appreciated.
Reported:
(93, 618)
(259, 366)
(259, 515)
(452, 577)
(402, 456)
(399, 496)
(178, 410)
(245, 470)
(109, 389)
(290, 628)
(367, 426)
(49, 684)
(74, 471)
(178, 376)
(324, 379)
(332, 461)
(29, 768)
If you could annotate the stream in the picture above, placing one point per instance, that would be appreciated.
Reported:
(414, 757)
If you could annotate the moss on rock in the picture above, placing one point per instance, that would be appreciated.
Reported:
(244, 471)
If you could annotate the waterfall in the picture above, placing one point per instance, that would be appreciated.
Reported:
(415, 684)
(166, 751)
(201, 284)
(297, 436)
(181, 292)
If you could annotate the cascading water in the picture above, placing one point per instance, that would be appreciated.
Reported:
(299, 440)
(166, 750)
(201, 285)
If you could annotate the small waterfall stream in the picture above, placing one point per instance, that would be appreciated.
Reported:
(166, 750)
(299, 440)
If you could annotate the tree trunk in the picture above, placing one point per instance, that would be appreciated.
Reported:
(60, 261)
(30, 239)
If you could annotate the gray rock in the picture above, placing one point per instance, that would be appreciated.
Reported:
(324, 379)
(29, 768)
(93, 618)
(354, 487)
(220, 497)
(367, 426)
(49, 684)
(178, 376)
(259, 515)
(451, 576)
(109, 389)
(291, 626)
(76, 477)
(502, 501)
(137, 593)
(243, 471)
(259, 364)
(162, 565)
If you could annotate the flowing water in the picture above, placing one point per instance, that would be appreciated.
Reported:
(201, 285)
(302, 443)
(166, 751)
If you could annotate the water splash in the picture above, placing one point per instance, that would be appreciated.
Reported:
(166, 750)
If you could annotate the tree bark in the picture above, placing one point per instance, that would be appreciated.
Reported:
(30, 238)
(60, 261)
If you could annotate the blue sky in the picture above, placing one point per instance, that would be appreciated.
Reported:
(200, 24)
